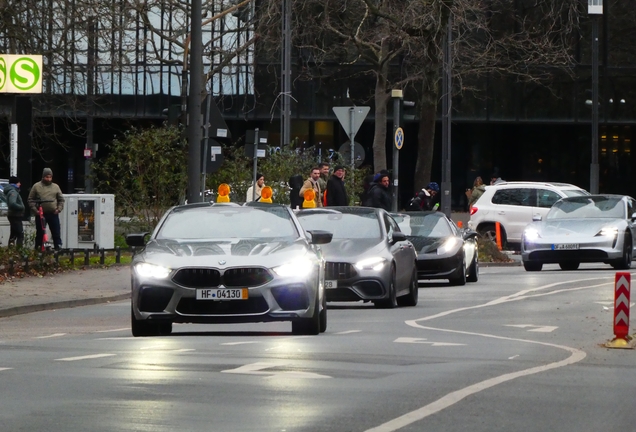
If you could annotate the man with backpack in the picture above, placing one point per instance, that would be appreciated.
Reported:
(425, 199)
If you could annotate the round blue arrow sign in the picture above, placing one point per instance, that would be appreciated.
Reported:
(398, 138)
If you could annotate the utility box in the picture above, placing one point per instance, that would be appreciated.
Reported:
(88, 221)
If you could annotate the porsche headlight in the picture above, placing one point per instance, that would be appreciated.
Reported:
(152, 271)
(373, 263)
(298, 267)
(448, 246)
(531, 234)
(610, 231)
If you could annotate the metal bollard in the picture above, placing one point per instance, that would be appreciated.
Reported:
(118, 255)
(72, 253)
(26, 263)
(87, 255)
(11, 264)
(101, 256)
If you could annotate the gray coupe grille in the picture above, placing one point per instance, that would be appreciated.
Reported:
(336, 271)
(244, 277)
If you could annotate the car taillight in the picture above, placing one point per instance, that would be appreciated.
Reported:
(473, 210)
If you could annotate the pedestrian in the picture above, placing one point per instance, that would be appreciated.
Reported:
(425, 199)
(478, 189)
(312, 183)
(295, 184)
(48, 195)
(336, 192)
(254, 191)
(15, 211)
(379, 195)
(495, 178)
(324, 177)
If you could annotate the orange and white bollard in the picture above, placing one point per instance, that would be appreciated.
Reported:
(498, 235)
(622, 284)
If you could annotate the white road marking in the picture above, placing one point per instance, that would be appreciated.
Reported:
(297, 374)
(113, 330)
(1, 369)
(452, 398)
(117, 338)
(258, 369)
(348, 332)
(86, 357)
(424, 341)
(513, 357)
(184, 350)
(536, 328)
(50, 336)
(239, 343)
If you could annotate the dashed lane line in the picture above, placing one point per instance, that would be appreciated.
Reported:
(86, 357)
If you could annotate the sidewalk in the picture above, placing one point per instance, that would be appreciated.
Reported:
(62, 290)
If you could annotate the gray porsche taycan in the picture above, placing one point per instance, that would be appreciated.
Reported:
(368, 259)
(225, 263)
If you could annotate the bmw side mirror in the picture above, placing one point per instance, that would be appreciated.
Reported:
(320, 237)
(137, 239)
(398, 236)
(536, 218)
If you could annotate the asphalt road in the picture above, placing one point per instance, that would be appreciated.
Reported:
(515, 351)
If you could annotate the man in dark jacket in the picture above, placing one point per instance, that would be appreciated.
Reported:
(336, 192)
(15, 211)
(379, 195)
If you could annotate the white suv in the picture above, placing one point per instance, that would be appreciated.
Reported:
(514, 204)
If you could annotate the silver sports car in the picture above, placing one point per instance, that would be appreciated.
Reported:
(444, 251)
(594, 228)
(369, 257)
(224, 263)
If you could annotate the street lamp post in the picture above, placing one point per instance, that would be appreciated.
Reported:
(446, 120)
(594, 8)
(194, 103)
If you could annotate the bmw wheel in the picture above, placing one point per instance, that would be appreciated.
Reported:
(309, 326)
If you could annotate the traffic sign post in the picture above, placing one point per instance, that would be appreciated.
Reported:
(351, 118)
(622, 283)
(398, 141)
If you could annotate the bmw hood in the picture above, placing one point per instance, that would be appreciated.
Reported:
(573, 227)
(222, 253)
(351, 248)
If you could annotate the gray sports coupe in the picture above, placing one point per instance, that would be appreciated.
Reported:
(225, 263)
(594, 228)
(368, 259)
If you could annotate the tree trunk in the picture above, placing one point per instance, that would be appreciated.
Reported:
(426, 132)
(381, 98)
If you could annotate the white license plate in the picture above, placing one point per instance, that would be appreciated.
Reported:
(565, 246)
(222, 294)
(331, 284)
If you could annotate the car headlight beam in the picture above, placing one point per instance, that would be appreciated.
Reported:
(531, 234)
(152, 270)
(298, 267)
(610, 231)
(448, 246)
(373, 263)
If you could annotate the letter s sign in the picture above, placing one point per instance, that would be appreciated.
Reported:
(20, 74)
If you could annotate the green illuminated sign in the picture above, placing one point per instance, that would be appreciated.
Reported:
(20, 73)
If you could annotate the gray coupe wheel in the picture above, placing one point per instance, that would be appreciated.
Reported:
(308, 326)
(411, 298)
(391, 302)
(473, 271)
(625, 262)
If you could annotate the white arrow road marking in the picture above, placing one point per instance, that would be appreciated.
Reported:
(1, 369)
(348, 332)
(297, 374)
(621, 316)
(536, 328)
(257, 369)
(86, 357)
(113, 330)
(239, 343)
(424, 341)
(50, 336)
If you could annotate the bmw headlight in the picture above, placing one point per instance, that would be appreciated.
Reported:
(152, 271)
(448, 246)
(297, 267)
(610, 231)
(373, 263)
(531, 234)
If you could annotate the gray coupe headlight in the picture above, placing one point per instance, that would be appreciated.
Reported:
(610, 231)
(152, 271)
(448, 246)
(373, 263)
(298, 267)
(531, 234)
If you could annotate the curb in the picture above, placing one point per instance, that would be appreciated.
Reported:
(19, 310)
(500, 264)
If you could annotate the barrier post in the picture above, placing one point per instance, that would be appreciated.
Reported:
(622, 284)
(498, 235)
